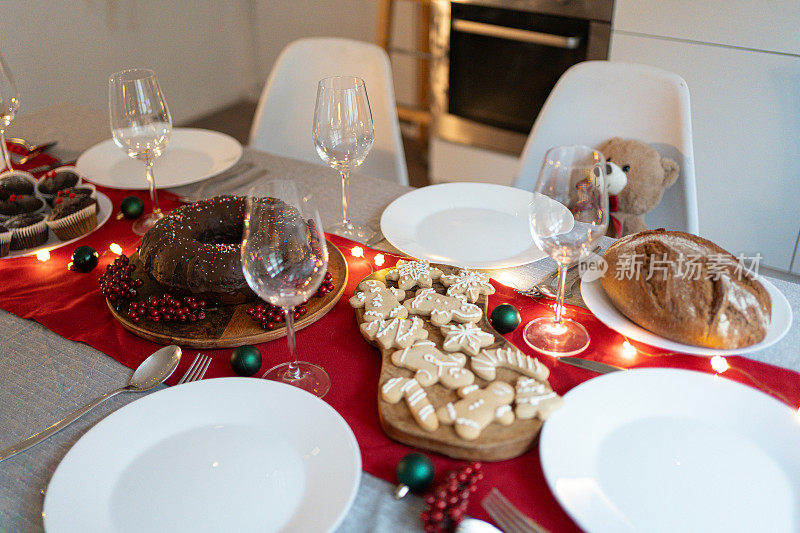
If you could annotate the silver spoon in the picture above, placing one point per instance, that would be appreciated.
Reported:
(152, 372)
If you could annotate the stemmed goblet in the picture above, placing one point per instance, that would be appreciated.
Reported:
(9, 104)
(141, 126)
(284, 259)
(343, 136)
(569, 212)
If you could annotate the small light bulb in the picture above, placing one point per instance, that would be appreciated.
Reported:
(357, 251)
(719, 364)
(379, 259)
(42, 255)
(628, 349)
(116, 248)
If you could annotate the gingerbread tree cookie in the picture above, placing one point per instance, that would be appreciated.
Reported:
(535, 399)
(421, 409)
(486, 363)
(434, 366)
(478, 408)
(442, 308)
(467, 282)
(410, 274)
(379, 302)
(395, 332)
(467, 338)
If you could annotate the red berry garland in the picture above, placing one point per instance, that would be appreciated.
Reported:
(448, 501)
(269, 316)
(116, 283)
(168, 308)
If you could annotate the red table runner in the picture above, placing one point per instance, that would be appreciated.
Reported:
(70, 304)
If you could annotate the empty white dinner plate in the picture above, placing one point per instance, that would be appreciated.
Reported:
(598, 302)
(470, 225)
(673, 450)
(229, 454)
(192, 155)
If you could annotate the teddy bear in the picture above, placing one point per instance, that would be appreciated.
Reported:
(648, 176)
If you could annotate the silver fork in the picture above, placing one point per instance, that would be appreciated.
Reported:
(508, 517)
(197, 370)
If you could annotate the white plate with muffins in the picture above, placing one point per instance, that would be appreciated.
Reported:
(717, 310)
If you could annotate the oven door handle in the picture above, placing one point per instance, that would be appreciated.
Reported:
(515, 34)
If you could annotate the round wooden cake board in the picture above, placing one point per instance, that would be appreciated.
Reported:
(227, 326)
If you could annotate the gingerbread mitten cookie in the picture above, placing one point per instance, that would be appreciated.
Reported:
(478, 408)
(379, 302)
(535, 399)
(486, 363)
(410, 274)
(395, 332)
(442, 308)
(467, 338)
(434, 366)
(421, 409)
(467, 282)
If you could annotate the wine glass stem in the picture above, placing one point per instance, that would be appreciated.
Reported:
(562, 280)
(293, 370)
(148, 169)
(6, 157)
(345, 196)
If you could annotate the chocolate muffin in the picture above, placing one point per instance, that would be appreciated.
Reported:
(28, 230)
(19, 205)
(83, 189)
(53, 182)
(73, 216)
(5, 240)
(16, 185)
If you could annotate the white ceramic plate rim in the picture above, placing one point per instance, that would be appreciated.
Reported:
(598, 302)
(401, 218)
(572, 437)
(69, 501)
(96, 162)
(103, 214)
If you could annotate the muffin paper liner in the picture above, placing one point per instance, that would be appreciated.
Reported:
(29, 236)
(76, 224)
(5, 242)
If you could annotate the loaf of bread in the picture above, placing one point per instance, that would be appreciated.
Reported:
(686, 289)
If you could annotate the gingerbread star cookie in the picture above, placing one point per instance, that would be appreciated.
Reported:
(395, 332)
(467, 282)
(442, 308)
(410, 274)
(379, 302)
(467, 338)
(486, 363)
(434, 366)
(416, 398)
(535, 399)
(478, 408)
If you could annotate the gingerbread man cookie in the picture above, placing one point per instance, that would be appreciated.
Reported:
(467, 338)
(378, 301)
(478, 408)
(410, 274)
(441, 308)
(467, 282)
(434, 366)
(395, 332)
(485, 364)
(535, 399)
(421, 409)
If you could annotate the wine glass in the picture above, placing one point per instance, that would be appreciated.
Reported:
(9, 104)
(284, 258)
(343, 136)
(569, 212)
(140, 125)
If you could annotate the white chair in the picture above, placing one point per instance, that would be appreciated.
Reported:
(284, 119)
(596, 100)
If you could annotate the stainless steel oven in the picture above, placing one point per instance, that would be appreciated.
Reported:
(495, 61)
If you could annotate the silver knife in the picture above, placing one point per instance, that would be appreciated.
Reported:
(588, 364)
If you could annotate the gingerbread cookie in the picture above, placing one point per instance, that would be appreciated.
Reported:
(478, 408)
(410, 274)
(421, 409)
(395, 332)
(441, 308)
(535, 399)
(434, 366)
(485, 364)
(378, 301)
(467, 338)
(467, 282)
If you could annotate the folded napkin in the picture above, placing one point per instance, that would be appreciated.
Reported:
(41, 160)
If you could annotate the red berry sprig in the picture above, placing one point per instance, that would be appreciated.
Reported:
(168, 308)
(448, 501)
(116, 283)
(326, 286)
(269, 316)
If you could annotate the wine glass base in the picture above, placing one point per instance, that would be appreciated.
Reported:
(141, 226)
(353, 232)
(312, 378)
(547, 336)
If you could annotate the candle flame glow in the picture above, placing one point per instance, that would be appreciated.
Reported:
(42, 255)
(719, 364)
(357, 251)
(379, 259)
(116, 248)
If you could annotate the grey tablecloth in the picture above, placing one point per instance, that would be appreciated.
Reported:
(43, 376)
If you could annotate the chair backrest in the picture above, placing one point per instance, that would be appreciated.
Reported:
(596, 100)
(284, 119)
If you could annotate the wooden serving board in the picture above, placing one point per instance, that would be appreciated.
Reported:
(495, 443)
(225, 326)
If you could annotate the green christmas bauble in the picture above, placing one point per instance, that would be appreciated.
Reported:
(245, 360)
(132, 206)
(416, 471)
(505, 318)
(84, 258)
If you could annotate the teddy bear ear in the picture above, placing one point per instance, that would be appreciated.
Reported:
(609, 143)
(671, 170)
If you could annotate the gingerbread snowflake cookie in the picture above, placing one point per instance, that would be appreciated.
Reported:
(416, 398)
(478, 408)
(467, 282)
(486, 363)
(467, 338)
(434, 366)
(395, 332)
(379, 302)
(535, 399)
(442, 308)
(410, 274)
